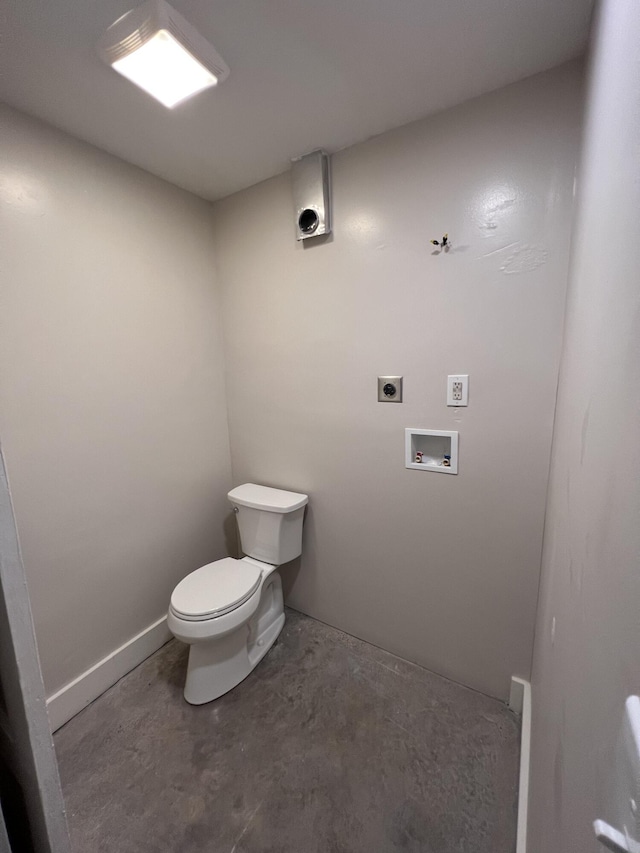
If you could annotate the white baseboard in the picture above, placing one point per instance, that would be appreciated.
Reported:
(520, 703)
(80, 692)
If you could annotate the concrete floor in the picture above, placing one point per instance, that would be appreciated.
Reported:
(330, 746)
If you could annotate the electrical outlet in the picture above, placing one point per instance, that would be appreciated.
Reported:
(389, 389)
(458, 390)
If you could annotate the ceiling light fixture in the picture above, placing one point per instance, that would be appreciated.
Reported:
(154, 47)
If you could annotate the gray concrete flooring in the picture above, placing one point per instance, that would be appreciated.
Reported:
(330, 746)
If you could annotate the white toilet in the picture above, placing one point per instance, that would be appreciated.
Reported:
(230, 612)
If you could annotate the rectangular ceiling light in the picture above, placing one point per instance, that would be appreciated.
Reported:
(154, 47)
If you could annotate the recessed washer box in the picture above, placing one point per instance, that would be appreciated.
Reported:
(432, 446)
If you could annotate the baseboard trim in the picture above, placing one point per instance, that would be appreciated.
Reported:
(77, 694)
(520, 703)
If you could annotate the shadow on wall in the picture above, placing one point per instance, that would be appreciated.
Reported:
(289, 572)
(320, 240)
(289, 575)
(231, 537)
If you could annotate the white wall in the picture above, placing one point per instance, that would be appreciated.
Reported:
(27, 758)
(112, 408)
(442, 570)
(591, 568)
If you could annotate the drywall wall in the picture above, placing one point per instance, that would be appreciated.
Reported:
(588, 629)
(112, 410)
(29, 780)
(442, 570)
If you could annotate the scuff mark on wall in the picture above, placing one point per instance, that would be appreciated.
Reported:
(23, 193)
(583, 434)
(558, 775)
(524, 259)
(492, 203)
(496, 251)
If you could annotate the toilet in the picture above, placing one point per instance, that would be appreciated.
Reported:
(231, 611)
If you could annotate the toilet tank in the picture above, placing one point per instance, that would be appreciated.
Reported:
(270, 522)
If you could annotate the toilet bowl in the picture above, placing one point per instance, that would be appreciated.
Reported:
(231, 611)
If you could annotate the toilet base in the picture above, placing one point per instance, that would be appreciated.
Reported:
(218, 665)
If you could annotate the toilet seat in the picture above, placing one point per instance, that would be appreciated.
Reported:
(215, 589)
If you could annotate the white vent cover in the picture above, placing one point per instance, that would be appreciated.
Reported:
(311, 195)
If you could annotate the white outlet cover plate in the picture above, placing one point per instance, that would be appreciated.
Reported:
(462, 397)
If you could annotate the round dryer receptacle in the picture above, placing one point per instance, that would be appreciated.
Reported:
(308, 221)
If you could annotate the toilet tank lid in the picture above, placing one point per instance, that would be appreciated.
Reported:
(263, 497)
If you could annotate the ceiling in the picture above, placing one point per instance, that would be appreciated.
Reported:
(304, 75)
